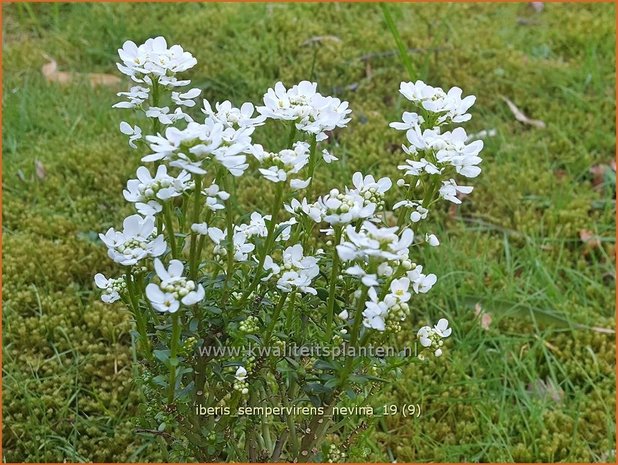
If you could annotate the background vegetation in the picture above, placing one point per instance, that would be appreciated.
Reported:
(532, 248)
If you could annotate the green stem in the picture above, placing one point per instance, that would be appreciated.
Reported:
(140, 317)
(274, 318)
(403, 51)
(330, 307)
(291, 136)
(169, 227)
(358, 316)
(270, 239)
(173, 362)
(290, 315)
(230, 241)
(312, 163)
(194, 257)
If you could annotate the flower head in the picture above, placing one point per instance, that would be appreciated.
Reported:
(137, 240)
(173, 289)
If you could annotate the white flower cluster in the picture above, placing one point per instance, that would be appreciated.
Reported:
(311, 111)
(149, 193)
(153, 62)
(197, 144)
(113, 288)
(173, 289)
(294, 272)
(379, 257)
(349, 206)
(279, 166)
(195, 155)
(435, 153)
(137, 240)
(240, 247)
(431, 338)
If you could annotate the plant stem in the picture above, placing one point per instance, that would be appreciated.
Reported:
(312, 162)
(140, 320)
(230, 241)
(169, 227)
(274, 318)
(403, 51)
(172, 360)
(358, 316)
(330, 307)
(270, 238)
(194, 257)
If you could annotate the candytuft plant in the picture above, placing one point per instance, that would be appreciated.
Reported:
(254, 327)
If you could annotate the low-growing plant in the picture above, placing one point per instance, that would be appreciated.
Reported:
(254, 328)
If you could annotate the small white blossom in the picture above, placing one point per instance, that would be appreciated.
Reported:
(134, 133)
(153, 60)
(432, 240)
(112, 287)
(312, 112)
(431, 338)
(137, 240)
(173, 289)
(186, 98)
(149, 193)
(135, 97)
(450, 189)
(229, 116)
(421, 283)
(295, 272)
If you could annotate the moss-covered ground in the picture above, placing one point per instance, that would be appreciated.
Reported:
(537, 385)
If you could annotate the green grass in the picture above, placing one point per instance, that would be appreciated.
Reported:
(513, 246)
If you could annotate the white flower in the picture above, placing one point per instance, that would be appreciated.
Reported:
(135, 97)
(367, 279)
(431, 338)
(173, 289)
(200, 229)
(240, 248)
(302, 207)
(296, 271)
(442, 329)
(449, 148)
(215, 197)
(112, 287)
(375, 312)
(154, 60)
(241, 374)
(284, 163)
(148, 193)
(449, 191)
(410, 121)
(369, 189)
(312, 112)
(134, 133)
(198, 143)
(138, 240)
(256, 227)
(345, 208)
(328, 157)
(416, 168)
(165, 117)
(432, 240)
(186, 98)
(421, 283)
(230, 116)
(399, 291)
(418, 211)
(373, 241)
(450, 105)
